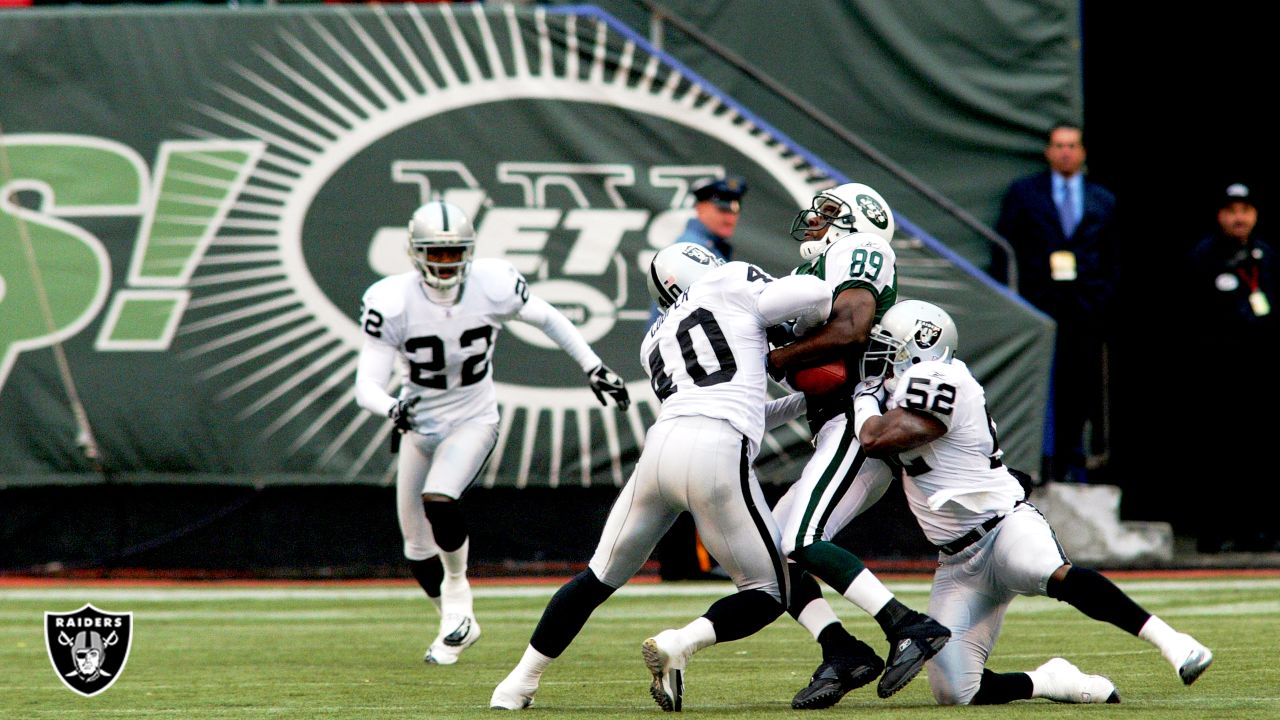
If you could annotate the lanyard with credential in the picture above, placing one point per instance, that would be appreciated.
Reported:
(1250, 278)
(1257, 299)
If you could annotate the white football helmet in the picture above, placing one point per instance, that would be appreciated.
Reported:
(910, 332)
(675, 268)
(838, 212)
(438, 228)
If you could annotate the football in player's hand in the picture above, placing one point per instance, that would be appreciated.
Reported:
(821, 379)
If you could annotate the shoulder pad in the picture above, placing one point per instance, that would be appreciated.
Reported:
(387, 296)
(936, 369)
(858, 240)
(499, 280)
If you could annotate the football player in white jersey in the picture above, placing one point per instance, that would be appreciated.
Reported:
(706, 360)
(845, 235)
(992, 544)
(443, 320)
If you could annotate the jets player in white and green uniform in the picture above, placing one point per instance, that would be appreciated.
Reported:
(442, 319)
(992, 544)
(845, 235)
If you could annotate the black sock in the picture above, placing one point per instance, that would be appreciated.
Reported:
(836, 642)
(804, 590)
(1094, 595)
(742, 614)
(893, 613)
(429, 573)
(1000, 688)
(567, 612)
(448, 526)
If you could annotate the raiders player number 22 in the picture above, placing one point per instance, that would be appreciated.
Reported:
(443, 320)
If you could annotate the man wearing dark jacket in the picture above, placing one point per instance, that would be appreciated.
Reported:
(1233, 278)
(1062, 228)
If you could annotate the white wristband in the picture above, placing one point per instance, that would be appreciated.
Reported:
(864, 407)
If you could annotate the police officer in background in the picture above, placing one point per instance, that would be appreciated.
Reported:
(1232, 286)
(717, 205)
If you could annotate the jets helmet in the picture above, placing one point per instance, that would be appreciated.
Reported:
(436, 229)
(838, 212)
(675, 268)
(913, 331)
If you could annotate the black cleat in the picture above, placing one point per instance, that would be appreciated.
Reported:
(910, 647)
(836, 677)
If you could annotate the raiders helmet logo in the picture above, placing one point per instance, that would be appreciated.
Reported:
(927, 334)
(873, 211)
(88, 647)
(697, 254)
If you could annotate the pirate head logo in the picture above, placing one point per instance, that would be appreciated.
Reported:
(873, 211)
(88, 647)
(927, 334)
(697, 254)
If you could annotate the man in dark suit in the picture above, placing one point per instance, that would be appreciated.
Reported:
(1062, 228)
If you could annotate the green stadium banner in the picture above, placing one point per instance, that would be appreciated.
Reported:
(193, 200)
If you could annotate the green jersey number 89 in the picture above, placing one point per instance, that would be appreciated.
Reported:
(868, 264)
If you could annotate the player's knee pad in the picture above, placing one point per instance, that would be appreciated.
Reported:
(447, 523)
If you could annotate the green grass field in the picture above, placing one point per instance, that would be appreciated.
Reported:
(354, 651)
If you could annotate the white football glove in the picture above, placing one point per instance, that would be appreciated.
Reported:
(872, 387)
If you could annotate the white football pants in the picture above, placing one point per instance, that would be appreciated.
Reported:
(703, 465)
(440, 464)
(837, 484)
(973, 588)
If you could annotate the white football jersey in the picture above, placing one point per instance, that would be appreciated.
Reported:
(706, 355)
(960, 476)
(448, 348)
(859, 260)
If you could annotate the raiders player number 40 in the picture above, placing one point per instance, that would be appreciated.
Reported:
(707, 359)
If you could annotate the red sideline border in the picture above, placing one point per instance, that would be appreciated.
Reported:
(151, 579)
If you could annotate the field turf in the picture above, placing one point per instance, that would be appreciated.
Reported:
(353, 651)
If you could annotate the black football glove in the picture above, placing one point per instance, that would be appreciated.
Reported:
(780, 334)
(606, 382)
(401, 414)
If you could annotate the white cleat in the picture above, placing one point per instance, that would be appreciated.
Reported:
(511, 694)
(1064, 683)
(667, 666)
(1196, 660)
(457, 633)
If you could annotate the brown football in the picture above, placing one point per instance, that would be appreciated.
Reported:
(821, 379)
